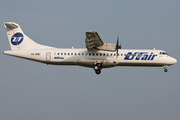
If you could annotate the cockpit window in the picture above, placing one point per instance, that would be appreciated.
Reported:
(163, 53)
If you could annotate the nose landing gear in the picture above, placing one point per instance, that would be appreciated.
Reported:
(97, 68)
(165, 68)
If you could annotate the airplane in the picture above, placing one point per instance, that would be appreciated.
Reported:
(97, 54)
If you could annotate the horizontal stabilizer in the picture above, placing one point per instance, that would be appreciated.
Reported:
(11, 25)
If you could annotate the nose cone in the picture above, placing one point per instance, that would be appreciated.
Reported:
(174, 61)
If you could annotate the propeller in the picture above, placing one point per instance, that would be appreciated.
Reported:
(117, 46)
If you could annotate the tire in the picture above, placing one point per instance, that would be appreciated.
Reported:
(98, 72)
(96, 67)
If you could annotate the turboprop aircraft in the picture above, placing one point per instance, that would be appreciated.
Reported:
(97, 54)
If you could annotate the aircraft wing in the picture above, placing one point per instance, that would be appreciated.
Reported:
(93, 41)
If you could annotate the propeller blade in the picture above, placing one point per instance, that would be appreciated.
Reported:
(117, 47)
(116, 53)
(120, 46)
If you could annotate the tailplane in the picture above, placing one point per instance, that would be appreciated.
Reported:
(18, 40)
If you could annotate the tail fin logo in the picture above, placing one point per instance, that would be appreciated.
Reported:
(17, 38)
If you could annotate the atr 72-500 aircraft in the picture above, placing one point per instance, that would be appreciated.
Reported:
(97, 54)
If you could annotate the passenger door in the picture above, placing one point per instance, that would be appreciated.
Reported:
(48, 56)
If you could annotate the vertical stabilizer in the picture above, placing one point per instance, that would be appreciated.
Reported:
(18, 40)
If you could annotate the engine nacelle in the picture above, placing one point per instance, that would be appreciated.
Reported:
(107, 47)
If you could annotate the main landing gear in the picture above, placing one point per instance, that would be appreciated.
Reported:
(165, 68)
(97, 68)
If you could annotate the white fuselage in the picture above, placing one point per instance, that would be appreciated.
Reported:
(97, 54)
(83, 57)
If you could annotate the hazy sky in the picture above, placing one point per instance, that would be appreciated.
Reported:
(36, 91)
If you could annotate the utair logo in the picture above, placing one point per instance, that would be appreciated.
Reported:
(140, 56)
(17, 38)
(59, 58)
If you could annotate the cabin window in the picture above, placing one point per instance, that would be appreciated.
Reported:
(100, 54)
(68, 53)
(71, 53)
(104, 54)
(93, 54)
(64, 53)
(86, 53)
(114, 54)
(107, 54)
(89, 54)
(124, 54)
(78, 53)
(121, 54)
(82, 53)
(96, 54)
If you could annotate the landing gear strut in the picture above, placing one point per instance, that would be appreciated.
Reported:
(97, 68)
(165, 68)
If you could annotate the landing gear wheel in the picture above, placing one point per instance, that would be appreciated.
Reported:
(98, 72)
(100, 67)
(96, 67)
(165, 68)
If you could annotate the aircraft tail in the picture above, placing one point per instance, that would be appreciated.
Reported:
(18, 40)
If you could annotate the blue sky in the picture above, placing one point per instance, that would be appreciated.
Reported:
(30, 90)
